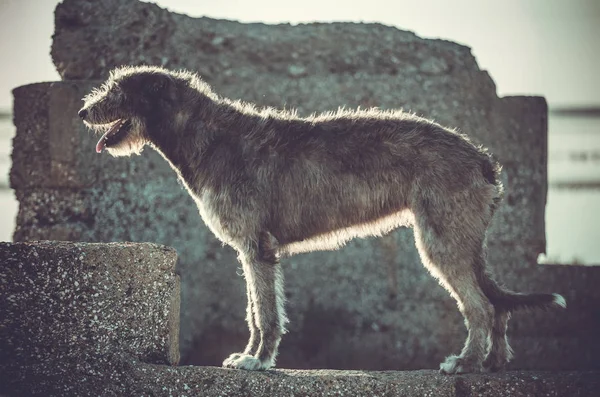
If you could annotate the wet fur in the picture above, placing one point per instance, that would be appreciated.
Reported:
(272, 184)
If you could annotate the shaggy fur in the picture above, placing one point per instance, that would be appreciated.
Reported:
(272, 184)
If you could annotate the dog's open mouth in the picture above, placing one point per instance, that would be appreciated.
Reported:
(116, 133)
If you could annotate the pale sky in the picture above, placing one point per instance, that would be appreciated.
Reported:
(530, 47)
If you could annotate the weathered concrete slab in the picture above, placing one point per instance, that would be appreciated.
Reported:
(139, 379)
(372, 295)
(221, 382)
(67, 309)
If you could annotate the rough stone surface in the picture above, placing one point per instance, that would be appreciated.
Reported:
(158, 380)
(139, 379)
(68, 309)
(376, 306)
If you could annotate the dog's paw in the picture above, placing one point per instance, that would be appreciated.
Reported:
(458, 365)
(245, 361)
(231, 359)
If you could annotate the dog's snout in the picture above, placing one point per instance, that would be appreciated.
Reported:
(83, 113)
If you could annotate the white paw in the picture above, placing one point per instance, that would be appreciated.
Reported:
(457, 365)
(231, 359)
(245, 361)
(449, 366)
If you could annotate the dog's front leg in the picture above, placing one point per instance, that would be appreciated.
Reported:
(264, 280)
(254, 340)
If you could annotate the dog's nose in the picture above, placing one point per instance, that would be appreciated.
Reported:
(82, 113)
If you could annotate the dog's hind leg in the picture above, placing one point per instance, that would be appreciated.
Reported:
(264, 279)
(449, 238)
(500, 351)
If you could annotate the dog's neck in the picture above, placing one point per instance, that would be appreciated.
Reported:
(190, 137)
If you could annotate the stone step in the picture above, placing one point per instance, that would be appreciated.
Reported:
(210, 381)
(69, 308)
(140, 379)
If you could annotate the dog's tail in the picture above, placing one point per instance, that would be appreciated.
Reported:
(508, 301)
(502, 298)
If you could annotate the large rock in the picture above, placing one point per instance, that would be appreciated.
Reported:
(70, 309)
(374, 304)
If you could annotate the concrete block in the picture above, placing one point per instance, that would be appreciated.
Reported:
(68, 309)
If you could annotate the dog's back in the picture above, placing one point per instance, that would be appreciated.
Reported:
(349, 174)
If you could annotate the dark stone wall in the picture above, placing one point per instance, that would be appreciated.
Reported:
(376, 307)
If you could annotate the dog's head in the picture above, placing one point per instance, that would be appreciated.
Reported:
(126, 105)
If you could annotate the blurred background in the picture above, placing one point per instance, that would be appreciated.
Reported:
(549, 48)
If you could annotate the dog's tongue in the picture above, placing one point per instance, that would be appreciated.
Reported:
(102, 142)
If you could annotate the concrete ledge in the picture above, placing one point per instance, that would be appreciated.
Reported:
(68, 309)
(139, 379)
(210, 381)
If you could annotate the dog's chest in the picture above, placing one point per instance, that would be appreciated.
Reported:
(214, 212)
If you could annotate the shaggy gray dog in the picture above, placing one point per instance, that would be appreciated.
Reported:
(272, 184)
